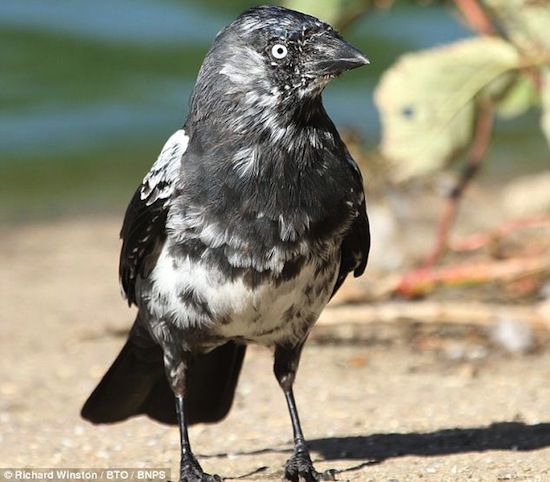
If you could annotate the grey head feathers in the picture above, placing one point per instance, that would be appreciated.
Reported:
(269, 65)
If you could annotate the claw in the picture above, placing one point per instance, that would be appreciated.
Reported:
(194, 473)
(299, 468)
(200, 478)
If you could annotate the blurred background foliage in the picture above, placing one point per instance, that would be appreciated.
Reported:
(90, 91)
(430, 100)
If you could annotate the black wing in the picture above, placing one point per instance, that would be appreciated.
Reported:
(356, 244)
(144, 228)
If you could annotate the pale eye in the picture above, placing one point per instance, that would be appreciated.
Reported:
(279, 51)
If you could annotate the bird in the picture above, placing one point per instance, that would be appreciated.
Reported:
(247, 224)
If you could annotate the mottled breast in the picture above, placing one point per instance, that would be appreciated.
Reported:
(211, 302)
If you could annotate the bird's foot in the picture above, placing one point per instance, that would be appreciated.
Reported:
(299, 468)
(192, 472)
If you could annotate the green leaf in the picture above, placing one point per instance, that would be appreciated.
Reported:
(427, 101)
(519, 97)
(545, 97)
(526, 23)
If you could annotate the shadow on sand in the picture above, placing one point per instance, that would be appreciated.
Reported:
(374, 449)
(379, 447)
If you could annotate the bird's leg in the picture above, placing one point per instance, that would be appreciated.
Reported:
(299, 467)
(177, 370)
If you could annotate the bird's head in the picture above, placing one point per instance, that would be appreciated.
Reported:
(272, 58)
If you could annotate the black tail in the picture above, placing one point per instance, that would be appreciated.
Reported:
(136, 384)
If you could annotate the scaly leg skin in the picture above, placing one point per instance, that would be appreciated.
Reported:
(299, 467)
(177, 371)
(190, 469)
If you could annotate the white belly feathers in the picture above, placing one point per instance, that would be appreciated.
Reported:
(191, 295)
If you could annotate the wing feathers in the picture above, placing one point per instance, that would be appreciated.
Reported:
(143, 230)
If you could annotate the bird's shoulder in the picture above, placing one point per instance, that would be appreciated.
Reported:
(144, 228)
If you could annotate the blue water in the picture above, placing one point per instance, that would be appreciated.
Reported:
(45, 124)
(90, 91)
(134, 21)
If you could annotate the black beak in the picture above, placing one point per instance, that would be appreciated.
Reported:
(333, 56)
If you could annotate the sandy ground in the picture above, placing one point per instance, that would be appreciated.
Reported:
(378, 409)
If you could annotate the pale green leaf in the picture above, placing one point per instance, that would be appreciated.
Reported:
(545, 97)
(426, 101)
(526, 23)
(520, 96)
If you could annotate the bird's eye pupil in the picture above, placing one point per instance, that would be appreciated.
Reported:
(279, 51)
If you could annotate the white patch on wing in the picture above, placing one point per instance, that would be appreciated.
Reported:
(159, 181)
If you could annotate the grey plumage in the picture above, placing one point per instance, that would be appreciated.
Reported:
(248, 222)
